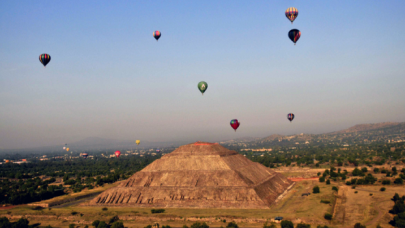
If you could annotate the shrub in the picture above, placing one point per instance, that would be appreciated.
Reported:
(185, 226)
(71, 225)
(272, 225)
(232, 225)
(358, 225)
(73, 213)
(316, 190)
(355, 192)
(382, 189)
(104, 209)
(376, 170)
(398, 181)
(117, 225)
(328, 182)
(319, 226)
(37, 208)
(286, 224)
(334, 188)
(157, 211)
(148, 226)
(303, 225)
(371, 194)
(328, 216)
(378, 226)
(353, 187)
(386, 182)
(325, 201)
(167, 226)
(199, 225)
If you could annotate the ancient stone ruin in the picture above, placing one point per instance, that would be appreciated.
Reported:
(198, 175)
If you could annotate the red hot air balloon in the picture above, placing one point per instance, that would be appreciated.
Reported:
(157, 35)
(235, 124)
(117, 153)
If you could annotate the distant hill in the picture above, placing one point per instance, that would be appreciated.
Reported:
(367, 127)
(358, 134)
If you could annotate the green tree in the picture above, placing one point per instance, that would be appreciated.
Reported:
(4, 222)
(322, 179)
(95, 223)
(328, 216)
(328, 181)
(102, 224)
(72, 225)
(359, 225)
(113, 219)
(316, 190)
(334, 188)
(286, 224)
(21, 223)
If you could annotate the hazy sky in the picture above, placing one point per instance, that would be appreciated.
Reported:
(108, 77)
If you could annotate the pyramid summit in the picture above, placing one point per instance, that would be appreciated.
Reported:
(198, 175)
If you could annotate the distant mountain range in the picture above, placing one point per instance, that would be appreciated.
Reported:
(361, 133)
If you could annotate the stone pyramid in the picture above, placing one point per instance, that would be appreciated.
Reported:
(198, 175)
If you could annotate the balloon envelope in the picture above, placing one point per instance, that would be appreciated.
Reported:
(137, 142)
(235, 124)
(44, 59)
(157, 34)
(294, 35)
(117, 153)
(67, 149)
(291, 13)
(290, 116)
(85, 155)
(202, 86)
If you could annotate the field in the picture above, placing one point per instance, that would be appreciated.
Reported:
(350, 208)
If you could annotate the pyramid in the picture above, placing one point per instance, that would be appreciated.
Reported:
(198, 175)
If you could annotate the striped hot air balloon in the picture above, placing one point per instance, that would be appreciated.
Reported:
(294, 35)
(291, 13)
(290, 116)
(44, 59)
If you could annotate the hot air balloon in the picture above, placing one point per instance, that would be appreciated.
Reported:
(157, 35)
(157, 151)
(64, 147)
(117, 153)
(291, 13)
(67, 149)
(294, 35)
(137, 142)
(44, 59)
(235, 124)
(85, 155)
(202, 86)
(290, 116)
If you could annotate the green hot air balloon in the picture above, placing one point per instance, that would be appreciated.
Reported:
(202, 86)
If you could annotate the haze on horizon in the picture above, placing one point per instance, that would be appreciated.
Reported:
(109, 78)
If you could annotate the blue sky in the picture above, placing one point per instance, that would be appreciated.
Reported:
(109, 78)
